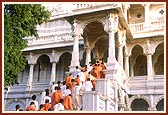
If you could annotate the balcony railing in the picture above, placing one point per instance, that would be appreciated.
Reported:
(136, 27)
(153, 25)
(51, 38)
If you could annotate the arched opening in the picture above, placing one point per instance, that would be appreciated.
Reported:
(138, 62)
(83, 61)
(23, 75)
(160, 105)
(63, 66)
(140, 67)
(97, 39)
(159, 66)
(42, 70)
(159, 60)
(105, 56)
(11, 106)
(139, 105)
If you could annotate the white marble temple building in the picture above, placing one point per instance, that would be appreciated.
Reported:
(129, 37)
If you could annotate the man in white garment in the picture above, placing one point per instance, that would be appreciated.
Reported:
(76, 97)
(89, 67)
(76, 72)
(87, 86)
(45, 95)
(59, 106)
(68, 91)
(35, 102)
(53, 87)
(63, 89)
(82, 78)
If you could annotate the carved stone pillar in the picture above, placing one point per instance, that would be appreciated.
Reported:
(54, 60)
(75, 53)
(149, 60)
(30, 78)
(53, 72)
(147, 12)
(31, 61)
(88, 55)
(111, 60)
(111, 49)
(126, 6)
(115, 96)
(132, 69)
(126, 58)
(152, 108)
(121, 43)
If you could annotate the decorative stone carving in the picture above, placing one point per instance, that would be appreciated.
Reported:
(148, 47)
(32, 59)
(113, 22)
(54, 56)
(99, 18)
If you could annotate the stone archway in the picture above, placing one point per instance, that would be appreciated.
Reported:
(139, 105)
(96, 39)
(160, 105)
(140, 67)
(42, 69)
(63, 66)
(138, 62)
(159, 60)
(10, 106)
(23, 75)
(83, 61)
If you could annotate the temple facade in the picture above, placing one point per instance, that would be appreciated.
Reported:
(129, 37)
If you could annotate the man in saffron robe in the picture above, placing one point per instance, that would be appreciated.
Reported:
(68, 102)
(77, 80)
(101, 72)
(31, 107)
(72, 85)
(47, 105)
(68, 79)
(57, 95)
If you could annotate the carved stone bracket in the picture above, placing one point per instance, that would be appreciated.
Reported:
(113, 21)
(32, 59)
(148, 47)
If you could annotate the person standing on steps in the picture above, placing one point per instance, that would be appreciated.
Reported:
(76, 98)
(35, 102)
(76, 72)
(59, 106)
(17, 107)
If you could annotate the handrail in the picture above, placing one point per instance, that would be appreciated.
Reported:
(139, 27)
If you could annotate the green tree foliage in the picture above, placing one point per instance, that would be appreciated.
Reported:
(20, 21)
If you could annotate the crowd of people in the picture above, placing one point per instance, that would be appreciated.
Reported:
(67, 95)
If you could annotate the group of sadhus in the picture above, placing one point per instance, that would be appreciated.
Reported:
(68, 95)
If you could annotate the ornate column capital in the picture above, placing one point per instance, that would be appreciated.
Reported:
(32, 59)
(113, 21)
(126, 54)
(76, 28)
(54, 57)
(122, 37)
(148, 47)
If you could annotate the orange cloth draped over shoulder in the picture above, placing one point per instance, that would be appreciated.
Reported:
(57, 95)
(68, 103)
(68, 80)
(47, 106)
(72, 85)
(31, 108)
